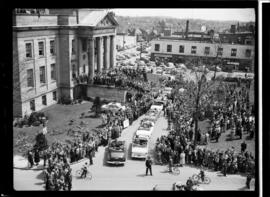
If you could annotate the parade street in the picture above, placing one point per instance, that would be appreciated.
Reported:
(131, 176)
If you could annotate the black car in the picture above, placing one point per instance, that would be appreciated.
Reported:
(116, 153)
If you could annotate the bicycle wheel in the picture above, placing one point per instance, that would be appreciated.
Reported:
(78, 173)
(89, 175)
(176, 171)
(207, 180)
(195, 177)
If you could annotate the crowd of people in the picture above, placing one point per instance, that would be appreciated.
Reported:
(178, 147)
(118, 77)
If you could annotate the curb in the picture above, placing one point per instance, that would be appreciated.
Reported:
(41, 167)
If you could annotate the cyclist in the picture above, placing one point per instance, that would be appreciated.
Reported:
(84, 170)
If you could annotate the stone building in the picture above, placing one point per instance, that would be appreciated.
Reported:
(181, 50)
(52, 47)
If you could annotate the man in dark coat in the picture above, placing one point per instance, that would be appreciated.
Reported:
(30, 158)
(36, 157)
(148, 164)
(90, 154)
(243, 146)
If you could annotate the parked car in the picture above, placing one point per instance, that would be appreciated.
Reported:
(116, 153)
(139, 147)
(167, 91)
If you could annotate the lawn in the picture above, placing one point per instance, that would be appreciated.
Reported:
(59, 117)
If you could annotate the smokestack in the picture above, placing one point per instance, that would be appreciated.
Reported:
(187, 23)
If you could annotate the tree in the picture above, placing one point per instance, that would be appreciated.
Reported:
(41, 142)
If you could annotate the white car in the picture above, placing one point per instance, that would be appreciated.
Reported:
(139, 148)
(152, 113)
(145, 129)
(158, 105)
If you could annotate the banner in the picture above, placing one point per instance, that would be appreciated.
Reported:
(126, 123)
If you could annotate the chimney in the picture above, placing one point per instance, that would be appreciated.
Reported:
(62, 15)
(187, 23)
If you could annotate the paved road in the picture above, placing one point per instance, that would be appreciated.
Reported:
(132, 175)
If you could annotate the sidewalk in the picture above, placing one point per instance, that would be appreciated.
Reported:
(20, 162)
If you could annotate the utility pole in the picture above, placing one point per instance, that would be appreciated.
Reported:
(141, 52)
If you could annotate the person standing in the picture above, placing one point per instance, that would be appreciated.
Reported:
(45, 157)
(243, 147)
(36, 157)
(30, 158)
(248, 180)
(225, 166)
(182, 158)
(148, 164)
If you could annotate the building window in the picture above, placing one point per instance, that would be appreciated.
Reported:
(193, 49)
(73, 71)
(42, 74)
(233, 52)
(169, 48)
(73, 47)
(54, 95)
(207, 50)
(52, 47)
(53, 72)
(28, 49)
(248, 42)
(157, 47)
(84, 69)
(181, 49)
(84, 45)
(32, 105)
(248, 53)
(84, 56)
(44, 100)
(41, 48)
(30, 78)
(220, 51)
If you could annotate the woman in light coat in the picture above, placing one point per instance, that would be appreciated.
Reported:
(182, 158)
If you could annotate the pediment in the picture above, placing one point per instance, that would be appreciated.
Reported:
(105, 22)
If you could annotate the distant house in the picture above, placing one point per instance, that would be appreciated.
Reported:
(124, 40)
(136, 32)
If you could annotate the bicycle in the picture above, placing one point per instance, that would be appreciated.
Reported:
(88, 174)
(175, 170)
(198, 178)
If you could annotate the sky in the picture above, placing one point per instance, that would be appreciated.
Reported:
(242, 15)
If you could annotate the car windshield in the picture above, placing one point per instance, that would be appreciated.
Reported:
(117, 154)
(140, 142)
(146, 125)
(144, 128)
(158, 103)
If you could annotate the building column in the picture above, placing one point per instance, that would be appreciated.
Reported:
(100, 54)
(106, 52)
(91, 59)
(112, 51)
